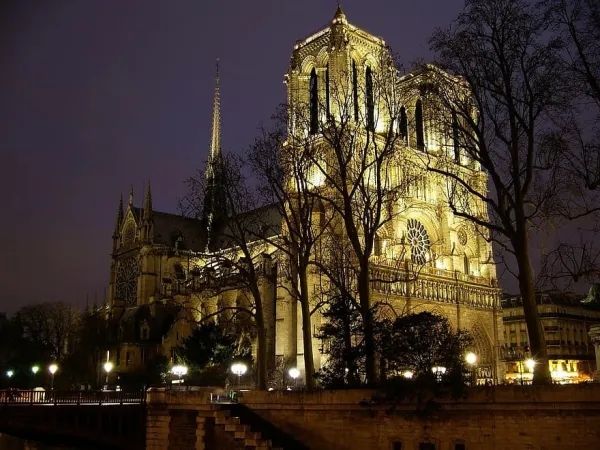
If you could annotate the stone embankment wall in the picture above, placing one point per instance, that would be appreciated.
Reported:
(494, 418)
(503, 417)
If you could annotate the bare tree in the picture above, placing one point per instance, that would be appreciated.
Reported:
(284, 172)
(577, 23)
(356, 163)
(239, 261)
(50, 325)
(512, 88)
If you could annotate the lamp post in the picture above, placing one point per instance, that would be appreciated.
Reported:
(239, 369)
(52, 369)
(294, 374)
(471, 359)
(530, 364)
(35, 369)
(438, 371)
(408, 374)
(179, 370)
(107, 368)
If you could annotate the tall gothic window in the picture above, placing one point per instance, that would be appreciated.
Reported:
(466, 265)
(403, 125)
(327, 91)
(355, 90)
(455, 137)
(314, 103)
(370, 104)
(419, 124)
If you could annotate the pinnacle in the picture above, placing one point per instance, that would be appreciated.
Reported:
(148, 203)
(339, 14)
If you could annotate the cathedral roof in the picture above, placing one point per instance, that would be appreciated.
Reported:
(265, 221)
(169, 227)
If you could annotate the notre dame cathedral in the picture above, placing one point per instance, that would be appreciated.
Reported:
(156, 255)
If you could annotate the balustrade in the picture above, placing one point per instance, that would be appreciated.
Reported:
(429, 283)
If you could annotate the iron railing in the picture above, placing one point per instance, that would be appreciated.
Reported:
(30, 397)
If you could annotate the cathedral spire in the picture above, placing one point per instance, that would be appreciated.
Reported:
(214, 205)
(148, 203)
(120, 214)
(215, 143)
(131, 196)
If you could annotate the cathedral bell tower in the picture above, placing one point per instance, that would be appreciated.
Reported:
(332, 74)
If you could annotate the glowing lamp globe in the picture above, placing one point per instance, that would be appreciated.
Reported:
(179, 370)
(239, 369)
(108, 366)
(471, 358)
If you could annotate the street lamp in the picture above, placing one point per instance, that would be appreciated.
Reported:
(471, 359)
(52, 369)
(438, 371)
(530, 364)
(180, 371)
(408, 374)
(9, 373)
(294, 374)
(107, 368)
(239, 369)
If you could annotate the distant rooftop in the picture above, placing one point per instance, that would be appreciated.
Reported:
(549, 298)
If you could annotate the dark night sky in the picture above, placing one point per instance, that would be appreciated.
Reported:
(98, 95)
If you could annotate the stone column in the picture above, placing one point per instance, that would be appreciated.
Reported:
(594, 334)
(200, 431)
(157, 429)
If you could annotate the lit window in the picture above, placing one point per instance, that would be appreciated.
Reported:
(327, 105)
(355, 89)
(455, 137)
(370, 103)
(419, 124)
(314, 103)
(403, 126)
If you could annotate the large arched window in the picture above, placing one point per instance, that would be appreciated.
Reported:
(466, 265)
(328, 106)
(370, 103)
(355, 90)
(314, 102)
(419, 124)
(403, 126)
(455, 137)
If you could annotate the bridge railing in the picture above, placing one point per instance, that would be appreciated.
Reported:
(27, 397)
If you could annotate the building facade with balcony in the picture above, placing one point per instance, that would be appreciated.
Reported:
(566, 321)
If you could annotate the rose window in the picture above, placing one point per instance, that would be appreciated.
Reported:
(418, 240)
(126, 281)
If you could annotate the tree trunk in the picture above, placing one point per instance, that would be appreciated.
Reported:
(309, 364)
(364, 292)
(261, 351)
(537, 341)
(349, 358)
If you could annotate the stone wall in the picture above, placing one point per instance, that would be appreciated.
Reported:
(503, 417)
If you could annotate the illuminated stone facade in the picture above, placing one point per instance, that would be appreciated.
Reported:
(156, 255)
